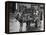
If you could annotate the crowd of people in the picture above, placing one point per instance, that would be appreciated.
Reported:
(28, 18)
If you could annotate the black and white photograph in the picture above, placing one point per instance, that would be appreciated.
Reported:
(24, 17)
